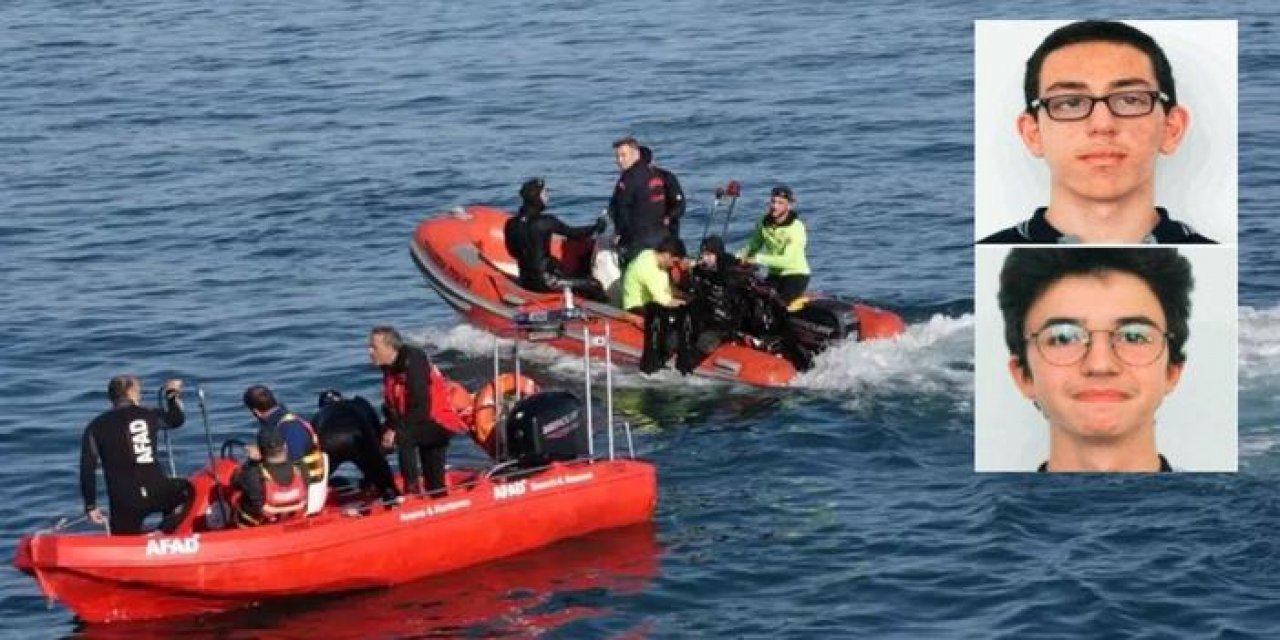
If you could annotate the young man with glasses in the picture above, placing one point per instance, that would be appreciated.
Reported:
(1096, 340)
(1101, 107)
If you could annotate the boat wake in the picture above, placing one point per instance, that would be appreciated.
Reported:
(934, 357)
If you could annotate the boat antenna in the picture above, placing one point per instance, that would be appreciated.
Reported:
(218, 493)
(164, 436)
(733, 189)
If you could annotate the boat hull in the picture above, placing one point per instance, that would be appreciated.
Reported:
(116, 578)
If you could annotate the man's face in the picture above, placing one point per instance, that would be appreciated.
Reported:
(779, 207)
(625, 155)
(1102, 158)
(380, 353)
(708, 259)
(1101, 397)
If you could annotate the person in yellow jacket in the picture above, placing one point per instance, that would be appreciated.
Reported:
(648, 279)
(778, 244)
(646, 290)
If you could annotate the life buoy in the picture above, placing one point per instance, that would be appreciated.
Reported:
(484, 405)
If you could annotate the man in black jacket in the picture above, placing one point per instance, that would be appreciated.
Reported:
(638, 206)
(421, 443)
(673, 195)
(124, 438)
(528, 239)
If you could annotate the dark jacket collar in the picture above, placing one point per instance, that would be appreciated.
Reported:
(1167, 231)
(1165, 467)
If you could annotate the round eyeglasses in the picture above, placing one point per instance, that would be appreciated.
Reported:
(1064, 344)
(1123, 104)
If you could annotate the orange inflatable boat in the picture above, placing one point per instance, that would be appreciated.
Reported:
(462, 255)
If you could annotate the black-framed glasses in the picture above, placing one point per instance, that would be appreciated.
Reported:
(1064, 344)
(1078, 106)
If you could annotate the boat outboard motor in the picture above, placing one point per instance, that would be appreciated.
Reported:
(546, 426)
(822, 322)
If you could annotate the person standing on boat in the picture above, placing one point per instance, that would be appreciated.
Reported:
(421, 442)
(303, 445)
(348, 430)
(272, 488)
(124, 438)
(778, 243)
(673, 195)
(528, 239)
(638, 206)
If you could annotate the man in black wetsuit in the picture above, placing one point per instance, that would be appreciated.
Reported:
(124, 438)
(349, 430)
(638, 207)
(528, 240)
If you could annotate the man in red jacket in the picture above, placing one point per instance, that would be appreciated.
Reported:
(421, 442)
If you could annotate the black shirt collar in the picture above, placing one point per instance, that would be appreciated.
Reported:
(1167, 231)
(1164, 465)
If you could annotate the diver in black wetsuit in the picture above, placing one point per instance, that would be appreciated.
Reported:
(349, 431)
(528, 240)
(124, 438)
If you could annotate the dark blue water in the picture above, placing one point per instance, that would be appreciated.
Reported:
(226, 193)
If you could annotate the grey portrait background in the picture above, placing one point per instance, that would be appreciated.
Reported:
(1196, 425)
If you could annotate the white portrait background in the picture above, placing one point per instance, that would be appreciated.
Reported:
(1197, 184)
(1196, 425)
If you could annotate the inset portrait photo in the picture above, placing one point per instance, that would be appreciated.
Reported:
(1105, 359)
(1105, 132)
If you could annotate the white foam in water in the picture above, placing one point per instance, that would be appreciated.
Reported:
(931, 357)
(1259, 347)
(478, 343)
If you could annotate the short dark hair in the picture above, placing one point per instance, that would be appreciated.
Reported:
(259, 398)
(389, 335)
(669, 245)
(629, 141)
(646, 155)
(1028, 273)
(1099, 31)
(118, 387)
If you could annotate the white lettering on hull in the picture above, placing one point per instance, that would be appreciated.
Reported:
(173, 546)
(435, 510)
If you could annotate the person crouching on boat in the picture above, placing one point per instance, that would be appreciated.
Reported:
(349, 430)
(646, 290)
(272, 488)
(715, 285)
(124, 438)
(528, 239)
(421, 442)
(299, 435)
(778, 243)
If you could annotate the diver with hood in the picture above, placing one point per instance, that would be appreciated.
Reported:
(528, 240)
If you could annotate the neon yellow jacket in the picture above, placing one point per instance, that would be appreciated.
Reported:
(645, 282)
(780, 247)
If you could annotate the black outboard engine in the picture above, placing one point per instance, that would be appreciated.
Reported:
(822, 322)
(546, 426)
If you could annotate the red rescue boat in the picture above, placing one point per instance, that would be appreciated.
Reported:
(462, 255)
(347, 547)
(549, 485)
